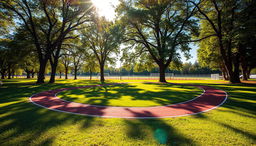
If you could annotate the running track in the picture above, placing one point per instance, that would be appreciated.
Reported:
(210, 99)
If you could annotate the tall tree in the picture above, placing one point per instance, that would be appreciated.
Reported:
(3, 60)
(30, 65)
(78, 58)
(230, 20)
(90, 64)
(60, 69)
(220, 15)
(49, 24)
(104, 39)
(29, 61)
(66, 61)
(208, 55)
(160, 27)
(9, 61)
(245, 38)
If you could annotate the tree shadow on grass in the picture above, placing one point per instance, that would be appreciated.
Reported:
(229, 126)
(27, 123)
(241, 103)
(237, 130)
(104, 94)
(162, 132)
(22, 123)
(236, 104)
(240, 96)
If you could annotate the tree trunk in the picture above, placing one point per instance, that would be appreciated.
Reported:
(162, 73)
(249, 72)
(2, 75)
(13, 74)
(75, 73)
(66, 72)
(90, 74)
(234, 78)
(41, 77)
(53, 70)
(245, 74)
(244, 63)
(28, 74)
(225, 75)
(33, 74)
(54, 62)
(60, 75)
(234, 75)
(9, 72)
(236, 69)
(102, 79)
(224, 71)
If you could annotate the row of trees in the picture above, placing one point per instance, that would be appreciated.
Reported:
(77, 61)
(225, 31)
(48, 24)
(233, 48)
(61, 28)
(154, 33)
(73, 56)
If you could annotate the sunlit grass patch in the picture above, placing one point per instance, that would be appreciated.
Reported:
(132, 94)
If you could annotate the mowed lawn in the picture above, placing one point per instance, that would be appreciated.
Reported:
(132, 94)
(23, 123)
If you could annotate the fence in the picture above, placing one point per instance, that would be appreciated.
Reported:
(170, 76)
(154, 76)
(215, 76)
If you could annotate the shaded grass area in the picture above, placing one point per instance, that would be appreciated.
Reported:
(22, 123)
(132, 94)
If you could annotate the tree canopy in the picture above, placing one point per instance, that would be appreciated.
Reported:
(159, 29)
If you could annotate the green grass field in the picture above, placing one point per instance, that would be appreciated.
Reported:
(132, 94)
(23, 123)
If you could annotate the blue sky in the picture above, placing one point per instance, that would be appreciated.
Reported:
(193, 53)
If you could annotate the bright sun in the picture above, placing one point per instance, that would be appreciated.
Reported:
(106, 8)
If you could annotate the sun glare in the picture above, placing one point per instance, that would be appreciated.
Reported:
(106, 8)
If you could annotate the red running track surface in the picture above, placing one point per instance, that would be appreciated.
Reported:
(210, 99)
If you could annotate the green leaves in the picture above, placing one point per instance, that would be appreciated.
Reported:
(162, 27)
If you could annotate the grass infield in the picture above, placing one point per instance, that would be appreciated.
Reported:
(132, 94)
(23, 123)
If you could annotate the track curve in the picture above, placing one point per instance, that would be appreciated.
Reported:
(210, 99)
